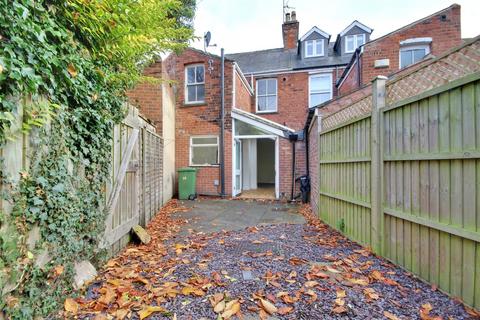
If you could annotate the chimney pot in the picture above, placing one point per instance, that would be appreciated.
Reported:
(287, 17)
(294, 16)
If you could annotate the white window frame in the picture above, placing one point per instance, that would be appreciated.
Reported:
(314, 48)
(266, 95)
(195, 83)
(408, 48)
(355, 41)
(316, 75)
(203, 145)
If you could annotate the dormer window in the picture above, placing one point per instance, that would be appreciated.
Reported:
(314, 48)
(353, 42)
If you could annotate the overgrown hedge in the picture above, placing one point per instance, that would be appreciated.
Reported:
(74, 59)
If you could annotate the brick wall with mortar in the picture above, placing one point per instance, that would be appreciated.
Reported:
(444, 28)
(313, 166)
(292, 99)
(201, 119)
(147, 96)
(243, 98)
(290, 31)
(350, 83)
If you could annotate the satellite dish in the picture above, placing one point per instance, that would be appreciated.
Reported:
(207, 38)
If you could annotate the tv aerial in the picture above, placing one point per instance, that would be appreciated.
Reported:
(207, 37)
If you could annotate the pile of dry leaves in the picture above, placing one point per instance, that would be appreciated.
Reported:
(296, 272)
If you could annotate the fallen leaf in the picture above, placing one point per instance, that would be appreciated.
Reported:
(71, 69)
(341, 293)
(191, 290)
(58, 270)
(339, 309)
(108, 296)
(268, 306)
(147, 311)
(219, 307)
(362, 282)
(390, 316)
(121, 313)
(311, 284)
(332, 270)
(285, 310)
(71, 305)
(232, 308)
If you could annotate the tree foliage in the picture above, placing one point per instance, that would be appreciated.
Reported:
(73, 60)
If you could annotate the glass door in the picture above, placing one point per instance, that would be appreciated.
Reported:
(238, 167)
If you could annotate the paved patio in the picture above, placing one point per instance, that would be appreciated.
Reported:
(216, 215)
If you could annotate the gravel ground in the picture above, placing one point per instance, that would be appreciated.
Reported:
(305, 271)
(231, 253)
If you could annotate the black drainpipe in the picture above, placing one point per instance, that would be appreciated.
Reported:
(307, 160)
(293, 137)
(222, 126)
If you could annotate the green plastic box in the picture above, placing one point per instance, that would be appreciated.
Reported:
(187, 178)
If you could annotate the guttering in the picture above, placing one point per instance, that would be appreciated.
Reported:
(328, 68)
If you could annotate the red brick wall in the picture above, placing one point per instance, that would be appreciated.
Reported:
(147, 96)
(202, 119)
(243, 98)
(290, 34)
(313, 166)
(350, 82)
(445, 35)
(292, 101)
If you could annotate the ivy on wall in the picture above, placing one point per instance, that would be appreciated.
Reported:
(74, 59)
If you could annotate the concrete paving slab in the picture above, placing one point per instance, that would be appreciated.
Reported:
(214, 215)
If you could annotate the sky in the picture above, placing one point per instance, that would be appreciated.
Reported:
(248, 25)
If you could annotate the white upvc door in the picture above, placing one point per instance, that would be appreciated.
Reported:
(237, 185)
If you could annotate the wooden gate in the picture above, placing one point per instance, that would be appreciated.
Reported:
(134, 193)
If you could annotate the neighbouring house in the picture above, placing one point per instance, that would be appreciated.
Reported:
(155, 102)
(429, 36)
(267, 97)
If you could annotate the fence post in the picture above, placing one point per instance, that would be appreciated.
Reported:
(318, 115)
(377, 216)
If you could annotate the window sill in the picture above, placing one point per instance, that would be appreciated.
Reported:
(194, 104)
(204, 165)
(266, 112)
(318, 56)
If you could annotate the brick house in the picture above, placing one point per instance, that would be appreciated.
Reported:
(268, 95)
(429, 36)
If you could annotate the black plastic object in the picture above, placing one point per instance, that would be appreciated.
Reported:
(304, 187)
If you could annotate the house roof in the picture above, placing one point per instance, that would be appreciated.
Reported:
(355, 23)
(279, 59)
(263, 123)
(355, 56)
(317, 30)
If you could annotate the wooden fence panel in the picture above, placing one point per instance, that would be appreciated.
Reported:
(433, 157)
(427, 163)
(345, 179)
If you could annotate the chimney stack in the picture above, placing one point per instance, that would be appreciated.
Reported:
(290, 28)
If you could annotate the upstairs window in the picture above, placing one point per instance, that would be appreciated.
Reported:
(320, 89)
(204, 151)
(412, 54)
(266, 95)
(195, 84)
(353, 42)
(314, 48)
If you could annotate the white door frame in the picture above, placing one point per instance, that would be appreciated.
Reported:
(236, 172)
(234, 158)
